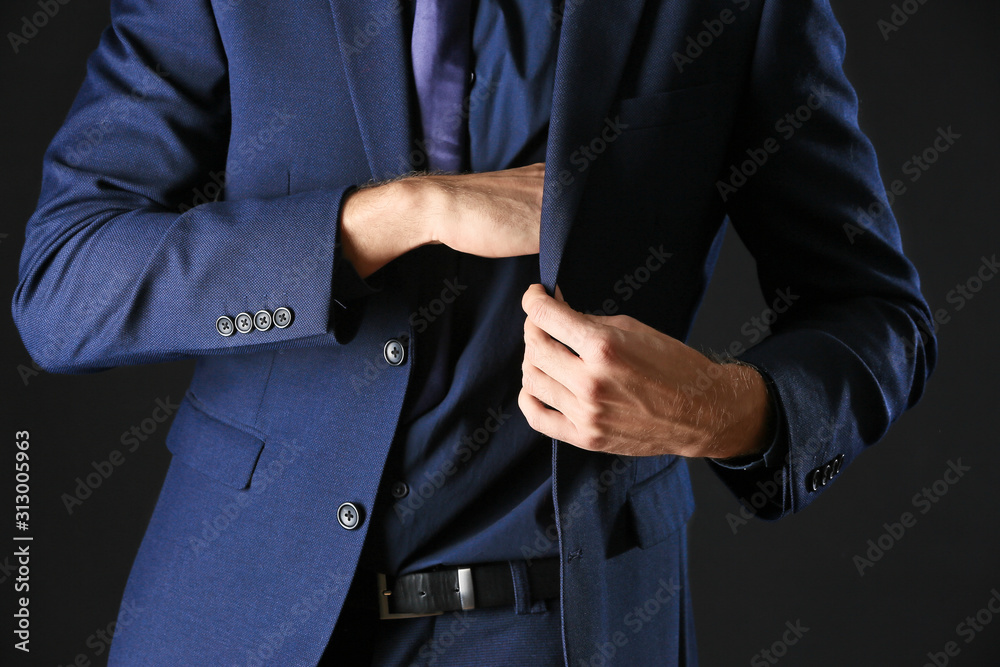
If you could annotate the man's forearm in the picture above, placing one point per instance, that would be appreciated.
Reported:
(745, 414)
(489, 214)
(380, 223)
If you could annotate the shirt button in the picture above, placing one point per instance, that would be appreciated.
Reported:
(282, 317)
(400, 490)
(394, 352)
(472, 77)
(244, 323)
(348, 516)
(224, 326)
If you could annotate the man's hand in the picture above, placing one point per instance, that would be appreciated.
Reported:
(490, 214)
(633, 390)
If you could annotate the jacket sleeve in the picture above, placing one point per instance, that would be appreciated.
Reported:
(855, 348)
(117, 268)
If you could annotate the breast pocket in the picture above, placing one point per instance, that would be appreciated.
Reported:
(224, 452)
(668, 107)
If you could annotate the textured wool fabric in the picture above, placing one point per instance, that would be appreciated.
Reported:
(200, 173)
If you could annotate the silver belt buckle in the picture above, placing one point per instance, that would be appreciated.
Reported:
(466, 595)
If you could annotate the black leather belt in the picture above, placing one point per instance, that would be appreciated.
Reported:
(473, 587)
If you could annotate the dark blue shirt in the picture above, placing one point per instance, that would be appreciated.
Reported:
(467, 479)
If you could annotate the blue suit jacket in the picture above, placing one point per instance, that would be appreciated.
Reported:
(668, 116)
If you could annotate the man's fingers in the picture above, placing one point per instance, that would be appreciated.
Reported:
(623, 322)
(550, 356)
(546, 389)
(558, 320)
(542, 419)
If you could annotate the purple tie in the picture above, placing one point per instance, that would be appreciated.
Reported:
(442, 52)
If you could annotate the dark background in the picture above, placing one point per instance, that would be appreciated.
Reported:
(938, 70)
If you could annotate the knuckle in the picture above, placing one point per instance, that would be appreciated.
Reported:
(591, 391)
(593, 440)
(526, 408)
(532, 354)
(528, 379)
(537, 311)
(602, 348)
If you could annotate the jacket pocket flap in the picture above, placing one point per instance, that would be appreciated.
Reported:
(661, 504)
(221, 451)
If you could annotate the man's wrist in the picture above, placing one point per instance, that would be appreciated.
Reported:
(750, 430)
(382, 222)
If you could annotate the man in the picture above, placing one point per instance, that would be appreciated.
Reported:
(359, 477)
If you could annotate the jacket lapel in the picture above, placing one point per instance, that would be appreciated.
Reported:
(593, 46)
(376, 63)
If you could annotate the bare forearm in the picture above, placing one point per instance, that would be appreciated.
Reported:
(490, 214)
(745, 414)
(380, 223)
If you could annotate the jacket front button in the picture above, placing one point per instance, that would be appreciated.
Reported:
(348, 516)
(394, 352)
(400, 490)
